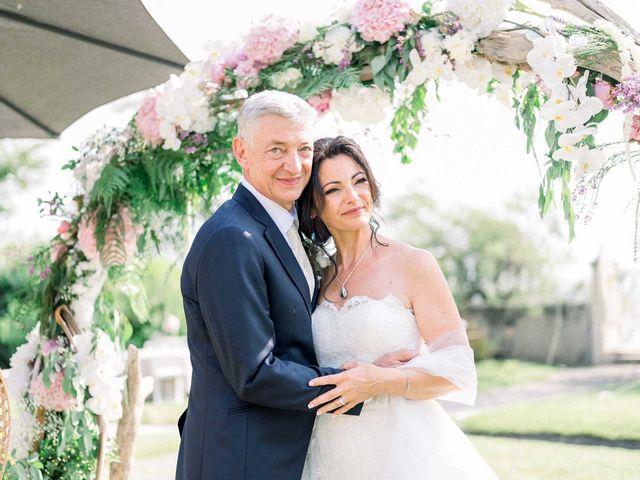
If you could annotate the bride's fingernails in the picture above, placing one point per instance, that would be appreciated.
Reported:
(318, 413)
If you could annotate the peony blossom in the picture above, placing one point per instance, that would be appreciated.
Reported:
(321, 102)
(379, 20)
(147, 120)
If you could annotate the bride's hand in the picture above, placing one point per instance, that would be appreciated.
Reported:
(359, 382)
(395, 359)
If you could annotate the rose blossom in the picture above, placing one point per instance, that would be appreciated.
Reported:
(603, 92)
(64, 227)
(321, 102)
(147, 120)
(379, 20)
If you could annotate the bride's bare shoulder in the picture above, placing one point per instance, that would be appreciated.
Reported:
(413, 259)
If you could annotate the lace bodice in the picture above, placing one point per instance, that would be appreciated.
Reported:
(363, 329)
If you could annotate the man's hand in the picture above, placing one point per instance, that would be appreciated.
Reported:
(397, 358)
(358, 382)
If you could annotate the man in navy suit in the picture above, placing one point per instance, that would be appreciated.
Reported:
(248, 293)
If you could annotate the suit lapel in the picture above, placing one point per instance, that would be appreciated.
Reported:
(277, 242)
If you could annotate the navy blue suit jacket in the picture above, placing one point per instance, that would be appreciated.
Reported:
(248, 315)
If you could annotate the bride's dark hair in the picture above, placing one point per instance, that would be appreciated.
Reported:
(311, 202)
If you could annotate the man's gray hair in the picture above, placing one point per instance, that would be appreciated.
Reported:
(273, 102)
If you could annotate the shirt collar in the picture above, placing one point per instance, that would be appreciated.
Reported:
(282, 217)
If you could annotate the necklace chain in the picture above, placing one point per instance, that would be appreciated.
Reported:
(344, 293)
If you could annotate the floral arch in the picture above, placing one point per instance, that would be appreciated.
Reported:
(566, 67)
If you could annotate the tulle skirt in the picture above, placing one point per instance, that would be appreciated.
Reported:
(393, 439)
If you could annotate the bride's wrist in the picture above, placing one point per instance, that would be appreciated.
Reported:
(395, 381)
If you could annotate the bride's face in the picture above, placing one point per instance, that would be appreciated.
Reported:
(347, 195)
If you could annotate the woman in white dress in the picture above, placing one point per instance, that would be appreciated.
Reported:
(380, 296)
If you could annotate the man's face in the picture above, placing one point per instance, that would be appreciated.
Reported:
(277, 158)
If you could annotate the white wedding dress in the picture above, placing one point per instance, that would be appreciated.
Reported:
(393, 438)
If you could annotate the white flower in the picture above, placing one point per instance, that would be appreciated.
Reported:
(476, 73)
(550, 59)
(480, 18)
(308, 30)
(567, 142)
(24, 430)
(20, 371)
(588, 161)
(361, 104)
(502, 93)
(288, 78)
(181, 104)
(342, 11)
(86, 292)
(459, 45)
(431, 42)
(503, 72)
(338, 42)
(431, 68)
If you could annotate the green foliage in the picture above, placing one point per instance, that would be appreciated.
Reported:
(527, 113)
(406, 123)
(137, 299)
(18, 311)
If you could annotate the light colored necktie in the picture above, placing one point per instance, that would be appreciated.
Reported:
(301, 256)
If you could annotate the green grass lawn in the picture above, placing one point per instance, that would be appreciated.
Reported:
(503, 373)
(163, 413)
(611, 415)
(150, 445)
(534, 460)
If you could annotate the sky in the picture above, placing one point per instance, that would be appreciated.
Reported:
(470, 153)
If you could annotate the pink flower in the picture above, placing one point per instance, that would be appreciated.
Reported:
(321, 102)
(635, 129)
(54, 397)
(57, 250)
(87, 238)
(64, 227)
(147, 120)
(603, 92)
(379, 20)
(49, 346)
(264, 44)
(216, 71)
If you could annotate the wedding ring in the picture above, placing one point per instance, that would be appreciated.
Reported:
(341, 400)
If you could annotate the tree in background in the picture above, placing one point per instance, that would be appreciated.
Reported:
(18, 166)
(487, 260)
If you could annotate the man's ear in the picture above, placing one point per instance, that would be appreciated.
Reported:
(239, 151)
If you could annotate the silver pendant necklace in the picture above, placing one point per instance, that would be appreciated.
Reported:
(344, 293)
